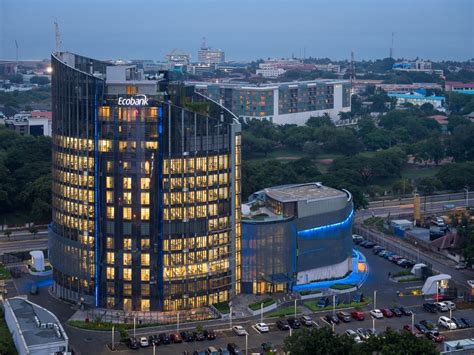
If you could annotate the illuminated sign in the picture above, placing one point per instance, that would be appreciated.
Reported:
(137, 100)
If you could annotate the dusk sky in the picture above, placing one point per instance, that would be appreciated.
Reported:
(245, 29)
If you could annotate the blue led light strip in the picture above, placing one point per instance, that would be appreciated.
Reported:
(346, 221)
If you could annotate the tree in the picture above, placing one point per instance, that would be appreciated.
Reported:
(15, 78)
(428, 185)
(39, 80)
(8, 233)
(318, 342)
(319, 121)
(456, 176)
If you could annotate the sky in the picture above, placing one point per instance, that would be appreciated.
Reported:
(245, 29)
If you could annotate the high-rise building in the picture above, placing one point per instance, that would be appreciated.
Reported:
(208, 55)
(146, 190)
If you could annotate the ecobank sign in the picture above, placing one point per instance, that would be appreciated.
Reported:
(138, 100)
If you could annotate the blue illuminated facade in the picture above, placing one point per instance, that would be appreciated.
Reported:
(304, 236)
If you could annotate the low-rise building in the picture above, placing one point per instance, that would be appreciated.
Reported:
(419, 65)
(418, 99)
(271, 72)
(34, 329)
(35, 123)
(282, 103)
(459, 87)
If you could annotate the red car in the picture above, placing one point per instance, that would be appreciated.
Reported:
(408, 328)
(435, 336)
(387, 313)
(358, 315)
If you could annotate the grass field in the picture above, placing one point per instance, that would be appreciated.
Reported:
(417, 173)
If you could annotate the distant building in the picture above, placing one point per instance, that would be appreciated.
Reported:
(359, 86)
(271, 72)
(459, 87)
(419, 99)
(334, 68)
(418, 65)
(177, 57)
(34, 329)
(294, 235)
(281, 103)
(210, 56)
(35, 123)
(442, 121)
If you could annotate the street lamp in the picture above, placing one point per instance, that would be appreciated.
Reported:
(246, 343)
(375, 299)
(230, 317)
(177, 322)
(261, 312)
(134, 326)
(466, 188)
(113, 333)
(295, 308)
(412, 322)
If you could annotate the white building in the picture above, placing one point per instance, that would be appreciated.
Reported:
(34, 329)
(271, 72)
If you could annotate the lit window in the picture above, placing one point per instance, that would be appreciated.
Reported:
(110, 243)
(127, 243)
(145, 183)
(127, 259)
(145, 244)
(127, 182)
(127, 197)
(110, 166)
(109, 182)
(110, 273)
(131, 90)
(145, 214)
(145, 305)
(145, 198)
(110, 212)
(126, 165)
(145, 274)
(110, 258)
(109, 197)
(127, 274)
(145, 259)
(151, 145)
(127, 213)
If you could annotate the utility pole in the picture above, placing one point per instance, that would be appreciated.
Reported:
(391, 47)
(466, 188)
(352, 68)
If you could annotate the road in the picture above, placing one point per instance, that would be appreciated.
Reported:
(30, 244)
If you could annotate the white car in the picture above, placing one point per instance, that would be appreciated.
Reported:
(239, 330)
(447, 323)
(460, 266)
(354, 335)
(144, 342)
(443, 307)
(470, 283)
(262, 327)
(376, 313)
(451, 305)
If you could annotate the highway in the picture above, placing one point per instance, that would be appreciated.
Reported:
(14, 246)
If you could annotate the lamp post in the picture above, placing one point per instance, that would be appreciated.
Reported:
(177, 322)
(295, 308)
(113, 333)
(230, 317)
(261, 312)
(246, 343)
(373, 324)
(375, 299)
(134, 326)
(154, 350)
(412, 322)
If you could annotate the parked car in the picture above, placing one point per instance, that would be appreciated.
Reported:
(363, 243)
(233, 349)
(363, 334)
(369, 245)
(450, 304)
(387, 313)
(331, 319)
(176, 338)
(428, 324)
(268, 348)
(358, 315)
(210, 334)
(154, 340)
(144, 342)
(466, 322)
(282, 325)
(133, 343)
(435, 336)
(294, 323)
(396, 312)
(447, 323)
(406, 311)
(224, 351)
(323, 302)
(307, 321)
(239, 330)
(408, 328)
(421, 328)
(430, 307)
(187, 336)
(458, 322)
(262, 327)
(212, 351)
(164, 338)
(376, 313)
(441, 306)
(352, 334)
(344, 316)
(460, 266)
(199, 336)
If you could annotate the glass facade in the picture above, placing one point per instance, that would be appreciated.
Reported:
(145, 196)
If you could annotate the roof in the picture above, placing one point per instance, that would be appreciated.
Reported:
(244, 85)
(415, 96)
(47, 114)
(25, 313)
(460, 85)
(303, 192)
(442, 120)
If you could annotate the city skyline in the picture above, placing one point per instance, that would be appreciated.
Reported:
(438, 30)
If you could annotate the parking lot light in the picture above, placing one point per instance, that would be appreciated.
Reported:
(375, 299)
(246, 343)
(412, 322)
(154, 350)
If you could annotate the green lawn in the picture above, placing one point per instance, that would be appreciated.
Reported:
(280, 154)
(257, 305)
(418, 173)
(313, 305)
(286, 311)
(222, 307)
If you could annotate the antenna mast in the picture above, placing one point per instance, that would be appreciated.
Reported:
(58, 37)
(391, 48)
(352, 68)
